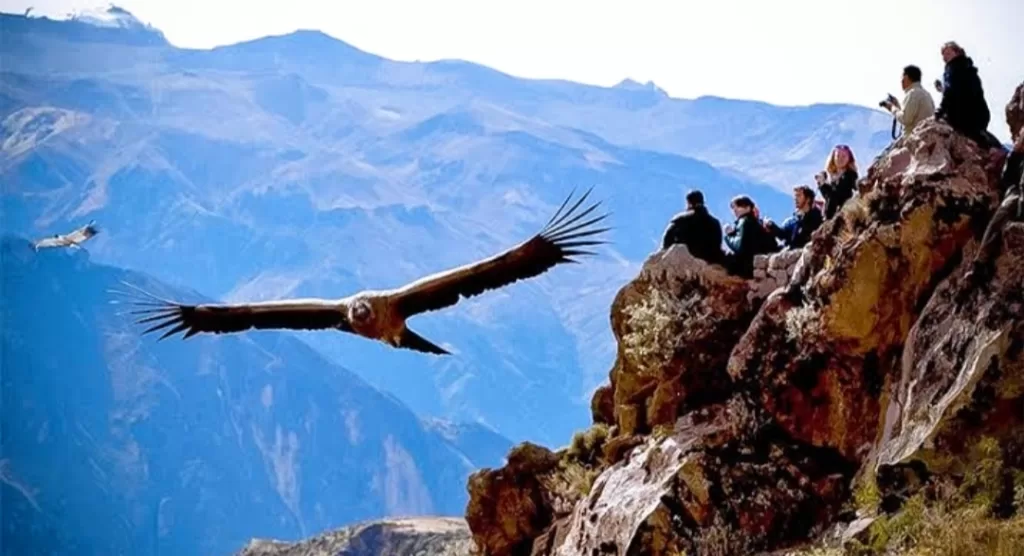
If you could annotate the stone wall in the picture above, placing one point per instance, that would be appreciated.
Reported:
(772, 272)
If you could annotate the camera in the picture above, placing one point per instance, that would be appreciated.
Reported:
(889, 100)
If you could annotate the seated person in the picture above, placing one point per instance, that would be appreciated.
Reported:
(796, 230)
(697, 229)
(963, 103)
(839, 180)
(747, 238)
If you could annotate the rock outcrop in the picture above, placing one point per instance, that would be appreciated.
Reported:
(741, 415)
(675, 324)
(414, 536)
(1015, 111)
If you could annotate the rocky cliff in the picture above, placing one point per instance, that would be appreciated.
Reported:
(406, 537)
(843, 387)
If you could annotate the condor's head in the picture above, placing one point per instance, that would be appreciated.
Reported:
(360, 313)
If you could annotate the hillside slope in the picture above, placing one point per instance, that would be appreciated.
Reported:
(116, 444)
(393, 537)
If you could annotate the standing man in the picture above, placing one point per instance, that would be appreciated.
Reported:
(695, 228)
(917, 104)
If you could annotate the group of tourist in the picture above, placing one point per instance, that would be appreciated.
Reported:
(962, 106)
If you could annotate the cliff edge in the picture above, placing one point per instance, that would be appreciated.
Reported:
(847, 386)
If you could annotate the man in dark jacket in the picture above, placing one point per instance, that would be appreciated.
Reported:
(795, 231)
(695, 228)
(746, 238)
(963, 103)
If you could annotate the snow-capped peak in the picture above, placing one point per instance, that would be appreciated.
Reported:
(111, 16)
(629, 84)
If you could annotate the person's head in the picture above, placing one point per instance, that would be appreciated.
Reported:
(951, 50)
(840, 160)
(911, 75)
(740, 205)
(694, 198)
(803, 198)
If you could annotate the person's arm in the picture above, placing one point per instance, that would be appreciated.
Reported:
(784, 232)
(735, 240)
(846, 185)
(824, 186)
(671, 235)
(813, 220)
(826, 189)
(950, 89)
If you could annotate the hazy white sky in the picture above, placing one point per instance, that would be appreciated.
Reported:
(781, 51)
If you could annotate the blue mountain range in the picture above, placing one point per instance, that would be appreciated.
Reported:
(298, 166)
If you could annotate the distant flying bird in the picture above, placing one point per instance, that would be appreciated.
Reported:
(73, 239)
(381, 315)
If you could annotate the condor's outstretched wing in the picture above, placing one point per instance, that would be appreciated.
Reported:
(55, 241)
(69, 239)
(295, 314)
(558, 242)
(83, 233)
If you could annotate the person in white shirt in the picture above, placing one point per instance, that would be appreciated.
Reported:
(917, 104)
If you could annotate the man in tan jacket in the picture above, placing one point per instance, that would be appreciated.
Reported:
(917, 104)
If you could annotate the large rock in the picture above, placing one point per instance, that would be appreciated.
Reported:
(1015, 112)
(511, 506)
(819, 363)
(962, 375)
(738, 425)
(675, 324)
(724, 479)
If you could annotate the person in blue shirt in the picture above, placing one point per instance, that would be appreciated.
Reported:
(795, 231)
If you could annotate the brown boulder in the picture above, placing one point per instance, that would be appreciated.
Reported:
(509, 507)
(602, 405)
(1015, 112)
(720, 481)
(675, 324)
(819, 364)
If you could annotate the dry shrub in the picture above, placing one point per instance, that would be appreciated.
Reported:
(659, 322)
(587, 446)
(958, 521)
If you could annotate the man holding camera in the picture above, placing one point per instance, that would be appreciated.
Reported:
(917, 104)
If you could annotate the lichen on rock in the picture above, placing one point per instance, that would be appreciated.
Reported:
(676, 324)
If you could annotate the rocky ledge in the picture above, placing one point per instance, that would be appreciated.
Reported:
(805, 405)
(422, 536)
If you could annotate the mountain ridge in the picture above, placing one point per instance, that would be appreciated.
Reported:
(291, 176)
(197, 447)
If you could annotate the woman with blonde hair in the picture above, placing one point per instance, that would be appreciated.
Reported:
(839, 179)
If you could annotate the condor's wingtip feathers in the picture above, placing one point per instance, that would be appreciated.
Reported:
(571, 229)
(152, 309)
